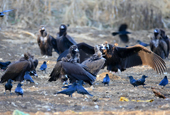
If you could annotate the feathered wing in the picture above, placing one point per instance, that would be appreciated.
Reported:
(139, 55)
(64, 54)
(163, 45)
(75, 71)
(71, 39)
(16, 71)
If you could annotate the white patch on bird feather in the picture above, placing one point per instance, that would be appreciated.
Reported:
(43, 39)
(156, 43)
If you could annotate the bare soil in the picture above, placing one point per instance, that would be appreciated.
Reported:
(39, 98)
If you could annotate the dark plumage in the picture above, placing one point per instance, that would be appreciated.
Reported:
(33, 72)
(4, 65)
(16, 70)
(132, 81)
(69, 91)
(81, 90)
(43, 66)
(106, 80)
(118, 58)
(45, 42)
(141, 81)
(27, 77)
(2, 13)
(19, 90)
(158, 45)
(67, 86)
(164, 81)
(95, 62)
(58, 71)
(122, 33)
(8, 86)
(142, 43)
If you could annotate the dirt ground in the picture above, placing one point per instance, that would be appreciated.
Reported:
(39, 98)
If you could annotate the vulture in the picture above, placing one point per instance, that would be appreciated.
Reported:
(158, 45)
(45, 42)
(64, 42)
(95, 62)
(122, 33)
(120, 58)
(70, 67)
(16, 70)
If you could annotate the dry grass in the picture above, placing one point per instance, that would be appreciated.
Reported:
(141, 14)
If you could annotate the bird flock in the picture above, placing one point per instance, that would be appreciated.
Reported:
(79, 63)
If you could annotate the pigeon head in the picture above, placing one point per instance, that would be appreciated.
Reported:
(80, 82)
(130, 77)
(19, 85)
(144, 76)
(44, 62)
(165, 77)
(10, 80)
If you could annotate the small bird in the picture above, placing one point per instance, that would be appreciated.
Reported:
(69, 91)
(2, 13)
(132, 81)
(164, 81)
(27, 77)
(8, 86)
(142, 43)
(4, 65)
(122, 33)
(141, 81)
(80, 89)
(106, 80)
(19, 90)
(43, 66)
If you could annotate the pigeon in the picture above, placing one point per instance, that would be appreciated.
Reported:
(19, 90)
(164, 81)
(27, 77)
(2, 13)
(8, 86)
(142, 43)
(141, 81)
(106, 80)
(69, 91)
(81, 90)
(43, 66)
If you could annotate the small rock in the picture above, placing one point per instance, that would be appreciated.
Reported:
(96, 106)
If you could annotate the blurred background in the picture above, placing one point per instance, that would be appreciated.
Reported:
(101, 14)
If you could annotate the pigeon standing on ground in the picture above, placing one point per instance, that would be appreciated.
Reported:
(8, 86)
(81, 90)
(141, 81)
(122, 33)
(142, 43)
(69, 91)
(19, 90)
(27, 77)
(106, 80)
(43, 66)
(164, 81)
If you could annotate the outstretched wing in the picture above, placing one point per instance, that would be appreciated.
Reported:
(139, 55)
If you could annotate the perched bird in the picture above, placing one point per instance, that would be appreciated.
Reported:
(132, 81)
(4, 65)
(95, 62)
(120, 58)
(106, 80)
(27, 77)
(81, 90)
(8, 86)
(158, 45)
(122, 33)
(45, 42)
(164, 81)
(141, 81)
(43, 66)
(19, 90)
(142, 43)
(16, 70)
(2, 13)
(69, 91)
